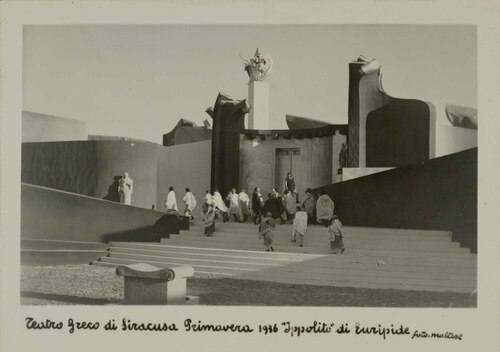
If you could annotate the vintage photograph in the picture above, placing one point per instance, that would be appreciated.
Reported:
(250, 165)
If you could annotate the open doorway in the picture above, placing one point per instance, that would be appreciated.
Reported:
(287, 160)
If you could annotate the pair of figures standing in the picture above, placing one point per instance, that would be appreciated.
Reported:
(189, 201)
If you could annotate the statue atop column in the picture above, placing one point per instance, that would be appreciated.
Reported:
(125, 189)
(258, 67)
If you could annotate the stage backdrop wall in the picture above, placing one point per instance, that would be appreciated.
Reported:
(312, 168)
(439, 194)
(47, 128)
(181, 166)
(93, 168)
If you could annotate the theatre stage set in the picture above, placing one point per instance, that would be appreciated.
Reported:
(404, 187)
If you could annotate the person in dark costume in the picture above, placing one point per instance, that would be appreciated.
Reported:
(257, 203)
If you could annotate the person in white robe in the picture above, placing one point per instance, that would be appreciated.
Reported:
(234, 204)
(324, 209)
(219, 205)
(125, 189)
(290, 205)
(171, 202)
(299, 226)
(190, 202)
(244, 201)
(207, 201)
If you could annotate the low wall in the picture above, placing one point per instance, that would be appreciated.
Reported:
(439, 194)
(450, 139)
(350, 173)
(56, 215)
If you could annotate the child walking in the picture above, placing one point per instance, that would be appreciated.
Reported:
(336, 233)
(209, 220)
(266, 231)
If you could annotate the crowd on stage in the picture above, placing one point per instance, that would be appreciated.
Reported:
(285, 207)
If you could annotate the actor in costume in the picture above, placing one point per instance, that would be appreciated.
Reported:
(219, 205)
(299, 226)
(290, 205)
(257, 203)
(209, 221)
(308, 204)
(171, 203)
(335, 236)
(266, 232)
(190, 202)
(271, 206)
(234, 204)
(324, 209)
(244, 202)
(207, 201)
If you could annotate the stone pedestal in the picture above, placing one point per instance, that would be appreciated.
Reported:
(146, 284)
(258, 98)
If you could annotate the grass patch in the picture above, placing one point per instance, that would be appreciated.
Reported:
(93, 285)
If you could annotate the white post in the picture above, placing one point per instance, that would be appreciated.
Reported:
(258, 97)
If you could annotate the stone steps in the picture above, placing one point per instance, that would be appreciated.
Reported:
(322, 239)
(322, 232)
(204, 261)
(348, 229)
(374, 258)
(315, 247)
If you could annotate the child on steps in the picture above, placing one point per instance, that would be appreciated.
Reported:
(266, 231)
(336, 233)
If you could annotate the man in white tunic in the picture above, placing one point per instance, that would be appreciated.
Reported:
(125, 189)
(171, 203)
(190, 202)
(234, 204)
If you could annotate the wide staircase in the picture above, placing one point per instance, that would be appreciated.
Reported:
(374, 257)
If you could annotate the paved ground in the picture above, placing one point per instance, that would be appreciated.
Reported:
(91, 285)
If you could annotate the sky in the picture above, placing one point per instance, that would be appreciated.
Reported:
(137, 81)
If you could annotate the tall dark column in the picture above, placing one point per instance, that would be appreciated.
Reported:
(228, 120)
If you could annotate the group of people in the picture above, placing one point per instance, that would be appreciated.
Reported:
(299, 230)
(284, 208)
(189, 202)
